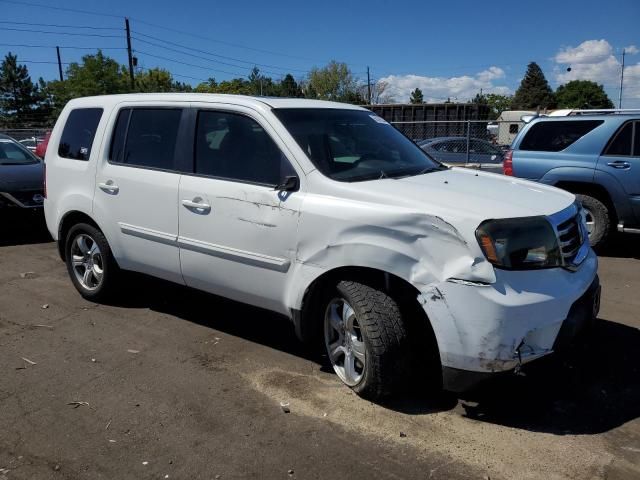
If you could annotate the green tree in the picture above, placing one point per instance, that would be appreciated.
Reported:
(333, 82)
(289, 87)
(497, 104)
(534, 91)
(582, 94)
(210, 86)
(158, 80)
(416, 96)
(96, 75)
(19, 97)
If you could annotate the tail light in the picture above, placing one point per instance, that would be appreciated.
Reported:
(507, 163)
(44, 180)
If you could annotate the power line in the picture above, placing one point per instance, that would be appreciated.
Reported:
(63, 9)
(42, 61)
(62, 33)
(189, 64)
(12, 22)
(212, 54)
(191, 34)
(61, 46)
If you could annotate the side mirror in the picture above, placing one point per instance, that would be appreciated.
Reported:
(288, 184)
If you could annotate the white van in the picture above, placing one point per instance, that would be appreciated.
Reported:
(327, 214)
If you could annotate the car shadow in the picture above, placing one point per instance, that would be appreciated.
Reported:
(621, 246)
(588, 390)
(23, 228)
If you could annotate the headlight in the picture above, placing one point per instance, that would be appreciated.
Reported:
(519, 243)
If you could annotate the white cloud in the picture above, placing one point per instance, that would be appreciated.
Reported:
(438, 89)
(631, 50)
(596, 60)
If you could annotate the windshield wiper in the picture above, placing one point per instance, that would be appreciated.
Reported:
(17, 163)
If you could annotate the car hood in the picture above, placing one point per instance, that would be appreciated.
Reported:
(21, 177)
(465, 193)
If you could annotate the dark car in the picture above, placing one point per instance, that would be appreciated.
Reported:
(21, 176)
(453, 151)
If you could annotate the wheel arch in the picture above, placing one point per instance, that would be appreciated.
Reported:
(67, 221)
(308, 318)
(592, 189)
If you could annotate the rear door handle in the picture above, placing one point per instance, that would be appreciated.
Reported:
(196, 205)
(619, 164)
(109, 187)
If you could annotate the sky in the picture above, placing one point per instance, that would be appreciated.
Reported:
(447, 49)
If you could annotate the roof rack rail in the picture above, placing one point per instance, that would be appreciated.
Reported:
(601, 111)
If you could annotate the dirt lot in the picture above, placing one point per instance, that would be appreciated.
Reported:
(180, 384)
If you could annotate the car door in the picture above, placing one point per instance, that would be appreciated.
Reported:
(238, 232)
(621, 159)
(136, 192)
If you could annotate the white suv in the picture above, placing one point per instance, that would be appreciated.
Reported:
(324, 213)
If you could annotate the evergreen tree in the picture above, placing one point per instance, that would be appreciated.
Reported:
(289, 87)
(534, 91)
(18, 95)
(582, 94)
(416, 96)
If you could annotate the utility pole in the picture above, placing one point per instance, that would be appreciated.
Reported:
(621, 80)
(369, 85)
(126, 26)
(59, 64)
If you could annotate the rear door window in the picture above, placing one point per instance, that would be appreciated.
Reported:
(621, 142)
(79, 132)
(146, 137)
(556, 136)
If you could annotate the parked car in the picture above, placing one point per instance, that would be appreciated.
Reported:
(21, 176)
(31, 143)
(452, 151)
(324, 213)
(595, 155)
(41, 148)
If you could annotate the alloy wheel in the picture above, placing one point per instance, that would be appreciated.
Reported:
(87, 262)
(344, 342)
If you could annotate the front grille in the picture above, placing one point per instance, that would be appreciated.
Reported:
(570, 237)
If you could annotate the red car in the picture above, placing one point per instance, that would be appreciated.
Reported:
(41, 148)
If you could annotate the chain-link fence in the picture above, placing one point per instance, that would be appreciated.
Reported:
(28, 137)
(472, 143)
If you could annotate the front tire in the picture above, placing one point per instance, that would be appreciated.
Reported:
(90, 263)
(598, 219)
(366, 339)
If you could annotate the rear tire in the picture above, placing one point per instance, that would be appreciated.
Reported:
(598, 213)
(90, 264)
(366, 339)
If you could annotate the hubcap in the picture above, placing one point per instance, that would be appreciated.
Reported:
(589, 220)
(86, 259)
(344, 342)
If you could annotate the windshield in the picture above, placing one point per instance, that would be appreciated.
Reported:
(354, 145)
(12, 153)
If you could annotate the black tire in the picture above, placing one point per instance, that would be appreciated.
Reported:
(385, 338)
(110, 269)
(601, 218)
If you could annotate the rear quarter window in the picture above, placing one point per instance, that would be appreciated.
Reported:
(79, 132)
(556, 136)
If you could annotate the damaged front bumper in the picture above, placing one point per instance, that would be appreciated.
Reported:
(483, 329)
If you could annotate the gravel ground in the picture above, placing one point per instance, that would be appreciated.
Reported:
(173, 383)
